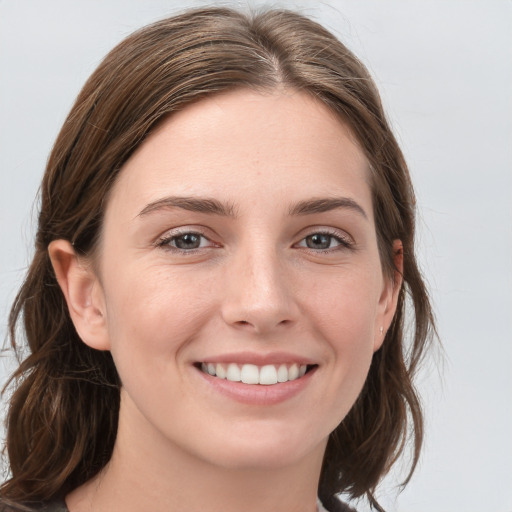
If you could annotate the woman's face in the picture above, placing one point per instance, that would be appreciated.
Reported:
(239, 241)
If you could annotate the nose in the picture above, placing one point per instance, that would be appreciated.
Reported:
(258, 292)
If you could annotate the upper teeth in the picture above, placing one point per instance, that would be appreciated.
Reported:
(252, 374)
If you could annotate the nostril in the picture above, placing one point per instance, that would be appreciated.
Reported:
(242, 322)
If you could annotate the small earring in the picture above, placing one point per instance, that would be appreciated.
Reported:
(381, 329)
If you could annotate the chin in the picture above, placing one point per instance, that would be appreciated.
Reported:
(262, 450)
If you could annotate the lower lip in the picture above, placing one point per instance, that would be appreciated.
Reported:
(258, 394)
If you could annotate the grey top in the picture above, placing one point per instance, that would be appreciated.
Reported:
(60, 506)
(56, 506)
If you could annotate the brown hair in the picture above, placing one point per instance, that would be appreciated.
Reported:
(62, 419)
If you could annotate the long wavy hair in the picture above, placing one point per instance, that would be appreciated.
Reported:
(64, 397)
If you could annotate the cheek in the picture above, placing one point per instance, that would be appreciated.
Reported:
(344, 305)
(155, 312)
(343, 312)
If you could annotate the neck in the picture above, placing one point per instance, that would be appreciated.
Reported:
(149, 472)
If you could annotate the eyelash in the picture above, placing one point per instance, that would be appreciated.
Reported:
(344, 242)
(166, 241)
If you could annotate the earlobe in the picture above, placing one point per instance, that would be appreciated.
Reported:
(83, 293)
(389, 299)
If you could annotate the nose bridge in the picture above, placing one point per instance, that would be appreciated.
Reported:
(257, 292)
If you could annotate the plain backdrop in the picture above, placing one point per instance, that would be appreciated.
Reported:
(444, 68)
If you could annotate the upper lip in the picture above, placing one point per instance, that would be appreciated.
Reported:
(259, 359)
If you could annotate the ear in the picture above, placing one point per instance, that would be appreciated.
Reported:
(83, 293)
(389, 297)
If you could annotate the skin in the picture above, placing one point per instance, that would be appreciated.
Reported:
(258, 284)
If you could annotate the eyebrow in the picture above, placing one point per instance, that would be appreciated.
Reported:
(321, 205)
(216, 207)
(193, 204)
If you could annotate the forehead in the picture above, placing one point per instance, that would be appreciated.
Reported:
(243, 143)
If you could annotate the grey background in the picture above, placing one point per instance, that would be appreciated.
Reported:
(444, 68)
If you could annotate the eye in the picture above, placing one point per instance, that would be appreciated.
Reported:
(186, 241)
(324, 241)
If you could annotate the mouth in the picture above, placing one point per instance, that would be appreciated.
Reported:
(266, 375)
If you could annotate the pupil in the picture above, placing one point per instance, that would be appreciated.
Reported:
(318, 241)
(188, 241)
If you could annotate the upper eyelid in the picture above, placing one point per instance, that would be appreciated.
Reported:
(183, 230)
(165, 242)
(342, 243)
(325, 230)
(210, 235)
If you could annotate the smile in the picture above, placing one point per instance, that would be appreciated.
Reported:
(266, 375)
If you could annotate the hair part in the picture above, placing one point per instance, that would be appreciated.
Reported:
(63, 412)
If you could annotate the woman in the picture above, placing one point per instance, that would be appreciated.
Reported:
(215, 309)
